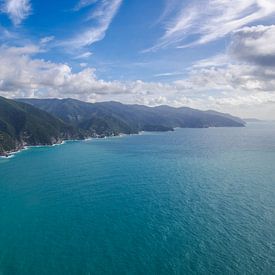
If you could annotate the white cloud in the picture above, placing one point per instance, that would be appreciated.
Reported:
(240, 80)
(255, 45)
(22, 75)
(47, 39)
(232, 78)
(19, 51)
(17, 10)
(236, 87)
(99, 19)
(209, 20)
(168, 74)
(83, 4)
(218, 60)
(84, 55)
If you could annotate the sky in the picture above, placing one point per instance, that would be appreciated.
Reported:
(205, 54)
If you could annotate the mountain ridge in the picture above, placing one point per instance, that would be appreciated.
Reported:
(49, 121)
(44, 104)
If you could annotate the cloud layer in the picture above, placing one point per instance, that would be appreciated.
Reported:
(240, 80)
(234, 81)
(255, 45)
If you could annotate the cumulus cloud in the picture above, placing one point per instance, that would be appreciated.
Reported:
(211, 19)
(241, 80)
(232, 78)
(248, 65)
(17, 10)
(23, 75)
(255, 45)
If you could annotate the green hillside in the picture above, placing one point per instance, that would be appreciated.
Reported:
(49, 121)
(117, 117)
(22, 124)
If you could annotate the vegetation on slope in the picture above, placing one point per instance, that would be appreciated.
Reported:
(48, 121)
(117, 117)
(22, 124)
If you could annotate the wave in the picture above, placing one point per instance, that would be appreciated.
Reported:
(58, 144)
(13, 153)
(7, 157)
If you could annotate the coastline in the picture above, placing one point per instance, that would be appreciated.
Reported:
(11, 154)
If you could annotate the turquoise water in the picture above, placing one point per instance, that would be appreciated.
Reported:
(193, 201)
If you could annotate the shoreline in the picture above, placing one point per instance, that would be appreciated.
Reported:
(11, 154)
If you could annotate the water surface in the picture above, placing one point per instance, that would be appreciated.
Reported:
(193, 201)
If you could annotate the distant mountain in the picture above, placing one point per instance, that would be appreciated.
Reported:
(249, 120)
(237, 119)
(49, 121)
(22, 124)
(114, 117)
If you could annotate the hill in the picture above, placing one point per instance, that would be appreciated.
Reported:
(22, 124)
(115, 117)
(49, 121)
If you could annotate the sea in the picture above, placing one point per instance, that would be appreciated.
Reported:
(192, 201)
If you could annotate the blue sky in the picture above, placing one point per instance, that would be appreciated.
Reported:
(207, 54)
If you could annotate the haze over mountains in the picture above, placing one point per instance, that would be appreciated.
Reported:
(49, 121)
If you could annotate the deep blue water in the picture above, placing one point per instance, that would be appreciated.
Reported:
(193, 201)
